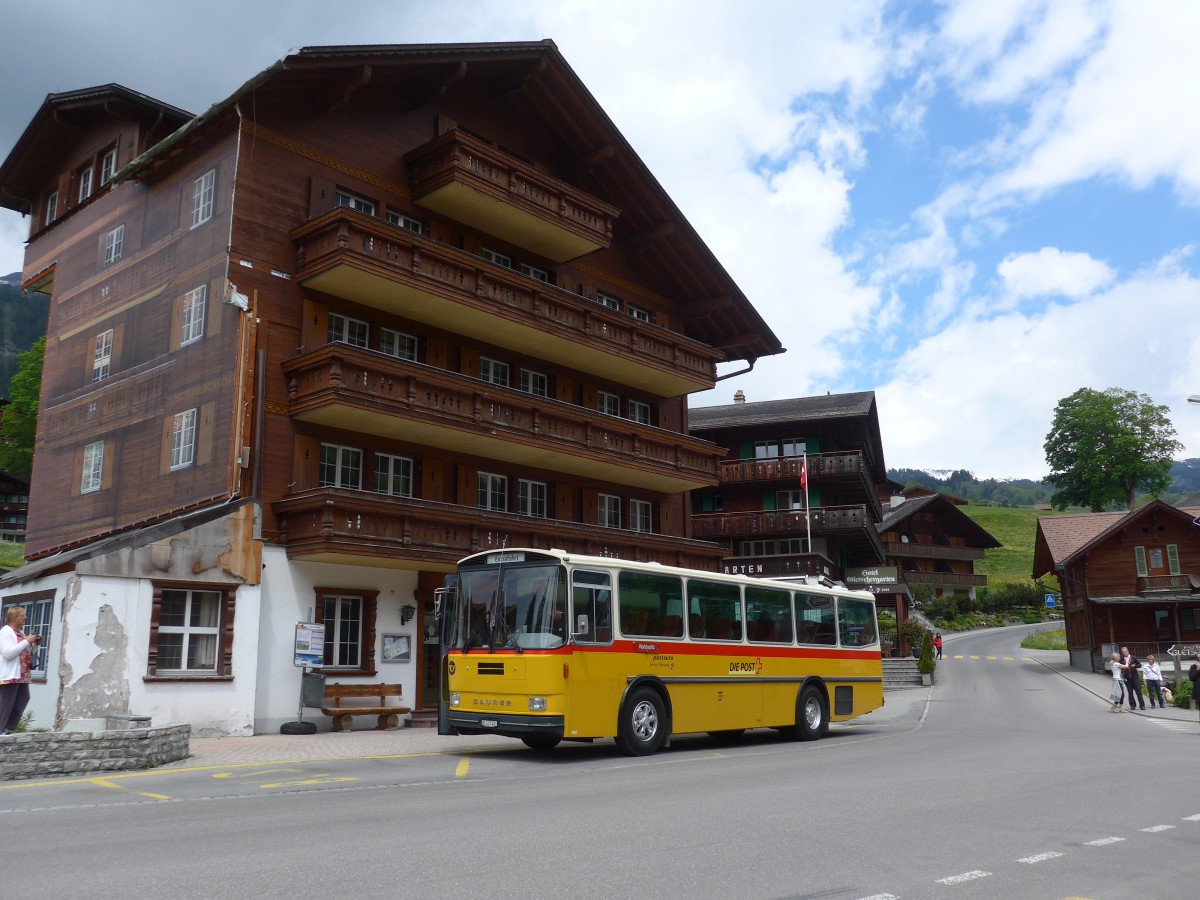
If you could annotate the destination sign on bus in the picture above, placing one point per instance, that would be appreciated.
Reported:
(496, 559)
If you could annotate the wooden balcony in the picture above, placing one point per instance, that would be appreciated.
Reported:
(850, 469)
(340, 386)
(368, 261)
(473, 182)
(944, 579)
(365, 528)
(1148, 584)
(914, 550)
(853, 526)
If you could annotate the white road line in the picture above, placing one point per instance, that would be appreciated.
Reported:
(1195, 818)
(1041, 857)
(1154, 828)
(965, 876)
(1104, 842)
(881, 897)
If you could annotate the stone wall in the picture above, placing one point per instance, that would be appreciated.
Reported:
(43, 754)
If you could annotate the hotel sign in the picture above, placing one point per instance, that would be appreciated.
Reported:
(868, 577)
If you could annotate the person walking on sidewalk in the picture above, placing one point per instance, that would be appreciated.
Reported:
(1117, 695)
(937, 646)
(1132, 684)
(1153, 675)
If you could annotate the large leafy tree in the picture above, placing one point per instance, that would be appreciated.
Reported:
(1105, 446)
(18, 421)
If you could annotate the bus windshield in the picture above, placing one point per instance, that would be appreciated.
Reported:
(513, 607)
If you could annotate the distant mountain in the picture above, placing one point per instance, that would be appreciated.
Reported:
(22, 321)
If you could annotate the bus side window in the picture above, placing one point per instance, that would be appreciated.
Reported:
(591, 596)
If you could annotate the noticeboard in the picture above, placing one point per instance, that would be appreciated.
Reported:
(310, 645)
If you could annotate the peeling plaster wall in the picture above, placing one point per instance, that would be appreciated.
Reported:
(288, 597)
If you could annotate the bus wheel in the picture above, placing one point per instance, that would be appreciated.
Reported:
(812, 719)
(540, 741)
(643, 725)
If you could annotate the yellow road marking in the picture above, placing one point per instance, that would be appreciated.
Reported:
(257, 774)
(974, 657)
(958, 657)
(1008, 659)
(104, 782)
(320, 779)
(992, 658)
(463, 768)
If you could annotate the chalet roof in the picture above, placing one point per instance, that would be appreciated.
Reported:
(1061, 538)
(532, 82)
(976, 534)
(776, 412)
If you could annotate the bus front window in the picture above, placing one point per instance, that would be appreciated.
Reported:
(527, 612)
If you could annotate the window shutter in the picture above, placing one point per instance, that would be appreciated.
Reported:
(564, 388)
(589, 396)
(176, 322)
(305, 462)
(768, 501)
(746, 451)
(164, 456)
(320, 198)
(467, 486)
(215, 304)
(77, 469)
(204, 434)
(118, 342)
(1139, 559)
(562, 502)
(814, 497)
(590, 512)
(107, 465)
(1173, 559)
(469, 358)
(812, 444)
(433, 479)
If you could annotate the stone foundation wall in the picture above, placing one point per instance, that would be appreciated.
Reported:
(43, 754)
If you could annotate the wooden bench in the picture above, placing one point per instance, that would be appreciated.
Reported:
(389, 716)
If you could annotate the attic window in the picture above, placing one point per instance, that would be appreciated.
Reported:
(108, 166)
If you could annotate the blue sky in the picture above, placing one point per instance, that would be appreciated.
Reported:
(971, 208)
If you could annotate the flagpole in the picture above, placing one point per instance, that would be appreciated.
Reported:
(804, 484)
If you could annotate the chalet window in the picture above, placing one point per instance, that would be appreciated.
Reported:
(203, 189)
(535, 383)
(789, 499)
(51, 208)
(491, 491)
(531, 498)
(534, 272)
(349, 620)
(640, 515)
(398, 344)
(493, 371)
(102, 356)
(191, 631)
(639, 412)
(340, 467)
(609, 404)
(345, 330)
(495, 256)
(362, 204)
(766, 449)
(393, 475)
(780, 547)
(608, 510)
(108, 165)
(39, 620)
(192, 319)
(407, 222)
(114, 244)
(93, 467)
(793, 447)
(1156, 558)
(85, 183)
(636, 312)
(183, 440)
(606, 301)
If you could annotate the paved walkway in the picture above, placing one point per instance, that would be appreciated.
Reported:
(277, 748)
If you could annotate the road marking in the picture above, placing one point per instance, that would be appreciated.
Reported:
(881, 897)
(320, 779)
(1104, 842)
(104, 782)
(992, 658)
(1154, 828)
(957, 657)
(258, 774)
(965, 876)
(1195, 818)
(974, 657)
(1008, 659)
(1041, 857)
(463, 768)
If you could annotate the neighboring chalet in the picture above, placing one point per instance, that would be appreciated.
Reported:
(775, 524)
(1130, 577)
(14, 508)
(380, 308)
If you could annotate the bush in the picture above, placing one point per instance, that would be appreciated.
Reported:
(926, 664)
(1183, 693)
(912, 633)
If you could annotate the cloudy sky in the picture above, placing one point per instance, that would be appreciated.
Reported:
(971, 208)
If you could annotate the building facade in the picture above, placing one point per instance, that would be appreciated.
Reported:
(379, 309)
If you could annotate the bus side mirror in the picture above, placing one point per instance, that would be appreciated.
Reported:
(581, 624)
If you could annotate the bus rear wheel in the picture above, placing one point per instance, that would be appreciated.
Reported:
(643, 725)
(540, 741)
(812, 717)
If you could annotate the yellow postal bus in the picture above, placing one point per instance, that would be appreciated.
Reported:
(547, 646)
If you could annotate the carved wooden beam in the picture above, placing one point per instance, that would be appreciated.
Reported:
(644, 240)
(515, 83)
(338, 94)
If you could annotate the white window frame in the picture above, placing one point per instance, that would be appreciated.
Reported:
(85, 183)
(491, 491)
(535, 383)
(608, 510)
(348, 330)
(789, 500)
(39, 620)
(114, 245)
(766, 449)
(102, 356)
(51, 208)
(639, 412)
(408, 223)
(191, 318)
(346, 464)
(354, 201)
(532, 498)
(493, 371)
(337, 623)
(641, 516)
(108, 166)
(534, 272)
(399, 344)
(393, 475)
(210, 634)
(495, 256)
(636, 312)
(609, 404)
(794, 448)
(93, 467)
(183, 440)
(607, 301)
(203, 190)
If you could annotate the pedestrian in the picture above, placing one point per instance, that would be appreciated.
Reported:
(1153, 675)
(15, 664)
(937, 646)
(1117, 695)
(1132, 683)
(1194, 678)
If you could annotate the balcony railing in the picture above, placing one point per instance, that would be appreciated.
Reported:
(1152, 583)
(349, 254)
(340, 386)
(945, 579)
(916, 550)
(334, 524)
(473, 182)
(849, 466)
(825, 519)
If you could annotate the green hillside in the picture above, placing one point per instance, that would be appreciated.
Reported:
(1015, 528)
(22, 321)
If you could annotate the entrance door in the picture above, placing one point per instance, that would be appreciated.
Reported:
(430, 658)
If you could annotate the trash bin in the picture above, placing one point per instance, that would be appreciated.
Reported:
(312, 690)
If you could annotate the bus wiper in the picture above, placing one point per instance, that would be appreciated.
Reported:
(502, 623)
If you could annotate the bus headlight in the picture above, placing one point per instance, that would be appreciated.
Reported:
(537, 704)
(454, 699)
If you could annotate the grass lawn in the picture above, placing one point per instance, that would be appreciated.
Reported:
(1016, 528)
(12, 556)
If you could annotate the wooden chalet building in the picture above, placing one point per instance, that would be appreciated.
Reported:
(1128, 578)
(382, 307)
(14, 508)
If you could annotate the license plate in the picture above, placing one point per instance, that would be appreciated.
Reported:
(489, 723)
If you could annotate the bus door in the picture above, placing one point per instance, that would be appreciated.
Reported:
(596, 681)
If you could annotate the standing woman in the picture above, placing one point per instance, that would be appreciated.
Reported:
(1153, 675)
(1117, 695)
(15, 663)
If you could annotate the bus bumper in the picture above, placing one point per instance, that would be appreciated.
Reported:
(507, 725)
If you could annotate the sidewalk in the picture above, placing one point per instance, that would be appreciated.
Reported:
(1100, 684)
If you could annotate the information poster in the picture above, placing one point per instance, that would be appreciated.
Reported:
(310, 645)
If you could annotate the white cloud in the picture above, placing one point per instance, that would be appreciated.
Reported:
(1052, 272)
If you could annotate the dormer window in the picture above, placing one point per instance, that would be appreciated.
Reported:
(51, 208)
(108, 166)
(85, 183)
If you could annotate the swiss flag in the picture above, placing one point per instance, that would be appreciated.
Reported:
(804, 474)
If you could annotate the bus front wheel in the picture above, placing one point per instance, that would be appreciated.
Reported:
(643, 726)
(812, 718)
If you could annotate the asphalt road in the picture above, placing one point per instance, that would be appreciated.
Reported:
(1009, 782)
